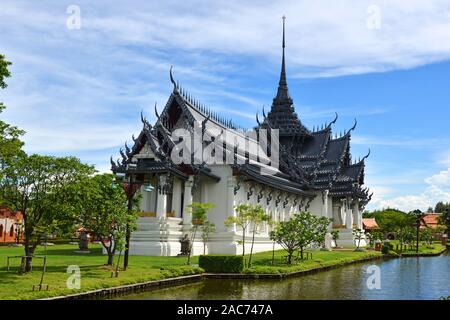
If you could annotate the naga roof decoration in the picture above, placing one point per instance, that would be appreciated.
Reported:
(310, 160)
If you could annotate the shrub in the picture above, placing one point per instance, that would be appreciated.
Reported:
(221, 263)
(385, 250)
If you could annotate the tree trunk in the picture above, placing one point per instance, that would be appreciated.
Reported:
(251, 249)
(301, 253)
(290, 257)
(110, 258)
(273, 253)
(243, 242)
(110, 251)
(27, 262)
(192, 244)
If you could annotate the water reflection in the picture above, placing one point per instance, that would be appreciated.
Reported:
(408, 279)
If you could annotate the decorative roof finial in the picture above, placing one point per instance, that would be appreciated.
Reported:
(365, 157)
(257, 120)
(156, 112)
(172, 80)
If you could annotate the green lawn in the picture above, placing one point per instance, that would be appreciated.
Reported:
(262, 262)
(435, 248)
(94, 274)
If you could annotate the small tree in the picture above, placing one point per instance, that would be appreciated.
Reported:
(207, 228)
(302, 230)
(199, 212)
(257, 217)
(242, 220)
(405, 236)
(426, 235)
(273, 225)
(359, 235)
(335, 236)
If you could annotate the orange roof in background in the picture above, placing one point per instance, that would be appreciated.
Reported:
(431, 219)
(370, 224)
(5, 212)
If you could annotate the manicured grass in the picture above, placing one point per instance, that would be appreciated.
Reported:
(94, 273)
(262, 262)
(424, 249)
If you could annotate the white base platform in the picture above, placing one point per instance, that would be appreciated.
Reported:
(161, 237)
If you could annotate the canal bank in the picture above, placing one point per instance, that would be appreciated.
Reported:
(323, 261)
(412, 278)
(152, 289)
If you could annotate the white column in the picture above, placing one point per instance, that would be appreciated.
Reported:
(325, 210)
(349, 216)
(176, 197)
(325, 203)
(187, 200)
(231, 182)
(358, 215)
(161, 205)
(343, 216)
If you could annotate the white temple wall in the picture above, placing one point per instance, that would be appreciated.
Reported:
(316, 206)
(216, 193)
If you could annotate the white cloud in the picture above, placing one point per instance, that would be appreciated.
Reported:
(436, 188)
(444, 159)
(400, 141)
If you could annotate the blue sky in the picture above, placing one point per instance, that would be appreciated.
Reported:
(80, 91)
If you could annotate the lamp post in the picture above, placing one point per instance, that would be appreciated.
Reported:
(130, 185)
(418, 220)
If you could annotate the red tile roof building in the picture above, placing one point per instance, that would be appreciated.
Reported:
(10, 224)
(431, 220)
(370, 224)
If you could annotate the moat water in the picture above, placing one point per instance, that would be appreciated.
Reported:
(423, 278)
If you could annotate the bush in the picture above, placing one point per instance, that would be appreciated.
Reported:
(386, 249)
(221, 263)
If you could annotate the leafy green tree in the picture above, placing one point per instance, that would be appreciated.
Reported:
(273, 224)
(393, 220)
(444, 219)
(374, 236)
(10, 143)
(335, 236)
(442, 207)
(102, 208)
(406, 235)
(359, 235)
(38, 186)
(302, 230)
(426, 235)
(257, 217)
(207, 228)
(4, 71)
(242, 220)
(199, 211)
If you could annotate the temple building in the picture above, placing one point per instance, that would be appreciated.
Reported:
(300, 170)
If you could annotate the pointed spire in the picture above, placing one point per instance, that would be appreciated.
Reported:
(283, 92)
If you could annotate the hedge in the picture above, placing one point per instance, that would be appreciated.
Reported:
(221, 263)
